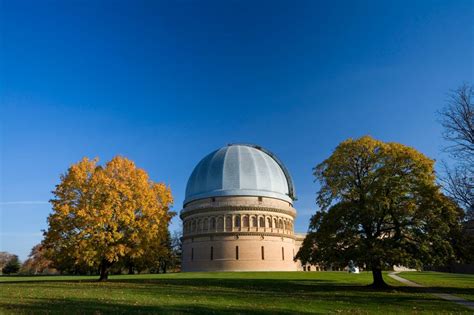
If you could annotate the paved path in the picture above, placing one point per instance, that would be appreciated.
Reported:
(444, 296)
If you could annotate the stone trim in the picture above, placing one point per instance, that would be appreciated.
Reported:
(237, 233)
(187, 213)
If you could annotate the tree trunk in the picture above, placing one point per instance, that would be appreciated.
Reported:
(378, 283)
(104, 270)
(130, 269)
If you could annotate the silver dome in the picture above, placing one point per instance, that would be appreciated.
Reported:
(240, 170)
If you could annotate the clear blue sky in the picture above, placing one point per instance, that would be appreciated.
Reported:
(165, 83)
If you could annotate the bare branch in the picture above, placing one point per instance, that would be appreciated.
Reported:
(457, 118)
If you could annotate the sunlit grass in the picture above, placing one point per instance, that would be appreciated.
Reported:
(207, 293)
(459, 284)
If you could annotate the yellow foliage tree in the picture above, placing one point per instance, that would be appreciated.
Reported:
(102, 214)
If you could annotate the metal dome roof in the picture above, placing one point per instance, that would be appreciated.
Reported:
(240, 170)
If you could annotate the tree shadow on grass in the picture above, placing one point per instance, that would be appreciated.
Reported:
(291, 286)
(177, 296)
(259, 285)
(90, 306)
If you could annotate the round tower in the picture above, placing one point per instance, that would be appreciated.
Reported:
(238, 213)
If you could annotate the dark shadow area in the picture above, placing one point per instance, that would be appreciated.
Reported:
(241, 292)
(291, 286)
(97, 307)
(260, 285)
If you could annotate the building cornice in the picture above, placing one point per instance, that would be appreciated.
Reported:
(237, 234)
(188, 213)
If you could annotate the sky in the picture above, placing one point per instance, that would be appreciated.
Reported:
(164, 83)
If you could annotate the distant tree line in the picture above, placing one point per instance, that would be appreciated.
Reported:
(37, 263)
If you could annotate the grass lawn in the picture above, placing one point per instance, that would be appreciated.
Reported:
(461, 285)
(212, 293)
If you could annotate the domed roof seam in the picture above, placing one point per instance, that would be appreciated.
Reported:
(254, 163)
(254, 179)
(269, 171)
(239, 159)
(283, 178)
(199, 172)
(210, 168)
(289, 179)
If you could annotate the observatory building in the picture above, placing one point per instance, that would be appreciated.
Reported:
(238, 213)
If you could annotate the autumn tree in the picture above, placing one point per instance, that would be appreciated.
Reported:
(37, 263)
(379, 206)
(102, 214)
(457, 119)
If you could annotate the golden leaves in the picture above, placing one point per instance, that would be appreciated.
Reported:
(107, 211)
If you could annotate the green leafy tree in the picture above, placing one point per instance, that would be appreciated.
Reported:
(12, 266)
(379, 206)
(4, 259)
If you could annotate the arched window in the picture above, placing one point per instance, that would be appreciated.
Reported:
(193, 226)
(280, 224)
(269, 222)
(213, 224)
(262, 222)
(254, 221)
(237, 221)
(228, 223)
(220, 224)
(245, 221)
(206, 224)
(200, 225)
(275, 223)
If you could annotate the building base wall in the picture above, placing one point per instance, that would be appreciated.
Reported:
(239, 253)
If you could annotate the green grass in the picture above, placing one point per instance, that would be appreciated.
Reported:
(461, 285)
(212, 293)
